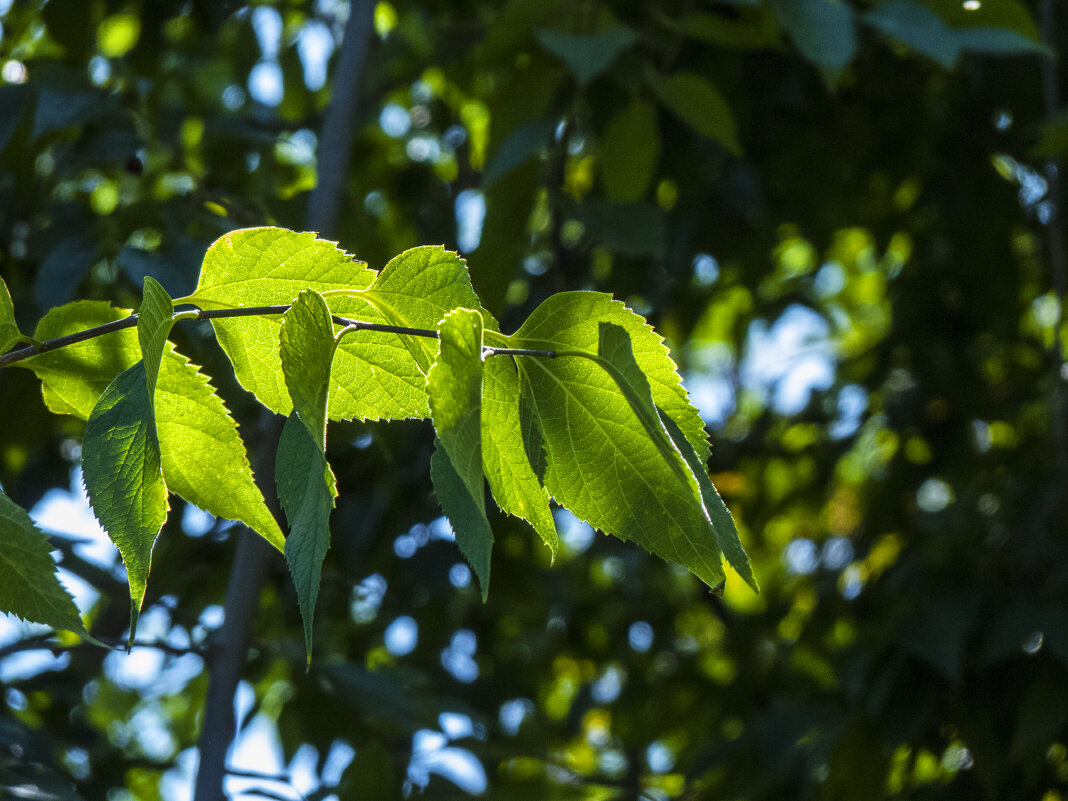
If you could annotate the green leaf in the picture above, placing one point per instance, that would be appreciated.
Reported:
(629, 149)
(454, 392)
(124, 478)
(998, 42)
(513, 481)
(29, 587)
(473, 534)
(518, 147)
(9, 329)
(306, 489)
(306, 347)
(749, 27)
(154, 322)
(600, 461)
(571, 321)
(191, 419)
(617, 357)
(587, 56)
(918, 28)
(74, 377)
(204, 459)
(419, 287)
(698, 103)
(270, 266)
(726, 533)
(822, 30)
(306, 485)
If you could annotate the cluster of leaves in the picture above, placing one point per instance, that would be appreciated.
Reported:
(583, 404)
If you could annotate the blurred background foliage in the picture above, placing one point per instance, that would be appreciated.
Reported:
(840, 216)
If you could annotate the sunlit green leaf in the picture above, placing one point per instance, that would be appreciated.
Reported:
(29, 588)
(571, 321)
(600, 463)
(726, 533)
(306, 346)
(628, 150)
(9, 329)
(154, 322)
(191, 418)
(124, 477)
(454, 391)
(700, 105)
(512, 479)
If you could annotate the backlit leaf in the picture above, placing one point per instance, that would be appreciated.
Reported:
(600, 462)
(571, 321)
(124, 478)
(269, 266)
(191, 418)
(512, 478)
(723, 528)
(29, 588)
(454, 391)
(306, 346)
(154, 322)
(9, 330)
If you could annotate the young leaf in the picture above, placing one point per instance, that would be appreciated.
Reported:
(723, 528)
(74, 377)
(29, 588)
(154, 323)
(454, 391)
(305, 483)
(123, 476)
(306, 489)
(204, 459)
(513, 481)
(306, 349)
(417, 288)
(269, 266)
(571, 321)
(9, 330)
(601, 464)
(191, 419)
(600, 459)
(615, 349)
(468, 519)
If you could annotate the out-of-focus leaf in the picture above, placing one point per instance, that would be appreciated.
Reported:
(694, 100)
(522, 144)
(628, 152)
(29, 588)
(751, 27)
(587, 56)
(62, 270)
(632, 229)
(13, 101)
(916, 26)
(63, 109)
(822, 30)
(998, 42)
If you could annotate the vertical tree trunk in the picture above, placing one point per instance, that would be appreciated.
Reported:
(251, 558)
